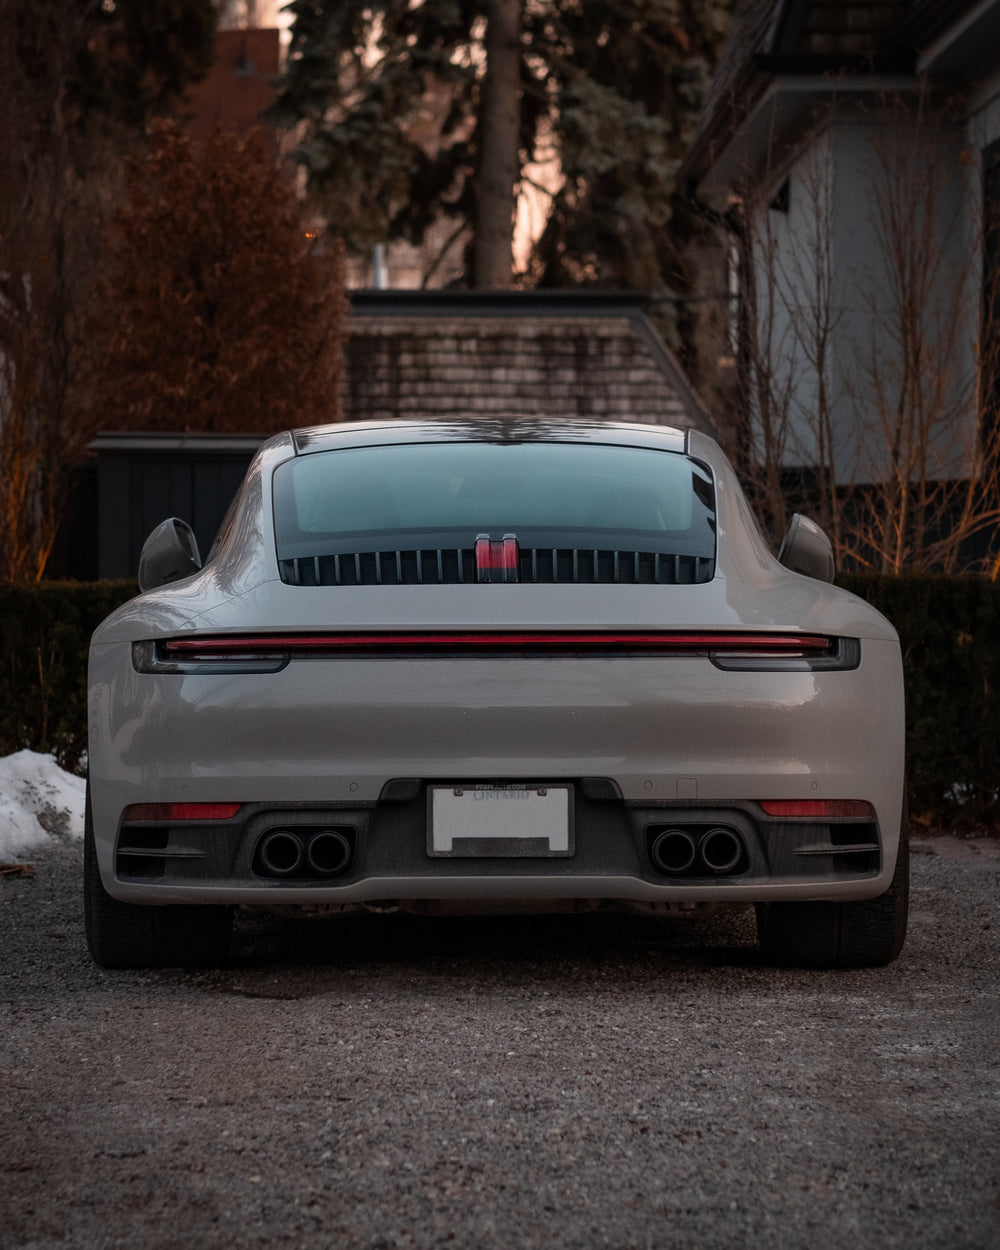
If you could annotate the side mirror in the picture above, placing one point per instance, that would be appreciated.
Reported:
(806, 549)
(168, 554)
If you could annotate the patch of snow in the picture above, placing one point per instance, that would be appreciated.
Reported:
(959, 793)
(39, 803)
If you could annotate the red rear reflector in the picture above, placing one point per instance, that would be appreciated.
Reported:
(831, 809)
(181, 811)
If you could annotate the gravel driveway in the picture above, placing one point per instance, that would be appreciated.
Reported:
(388, 1081)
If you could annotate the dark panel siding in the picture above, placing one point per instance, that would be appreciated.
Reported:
(138, 491)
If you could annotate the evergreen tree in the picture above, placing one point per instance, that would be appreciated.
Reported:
(105, 61)
(414, 112)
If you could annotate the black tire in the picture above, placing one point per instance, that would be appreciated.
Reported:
(866, 933)
(128, 935)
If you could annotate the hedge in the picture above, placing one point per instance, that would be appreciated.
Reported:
(45, 630)
(949, 626)
(949, 629)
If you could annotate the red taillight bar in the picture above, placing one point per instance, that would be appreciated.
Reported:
(272, 644)
(181, 811)
(832, 809)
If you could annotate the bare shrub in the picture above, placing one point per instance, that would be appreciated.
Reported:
(874, 368)
(221, 308)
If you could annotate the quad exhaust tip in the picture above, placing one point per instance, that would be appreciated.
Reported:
(319, 853)
(682, 852)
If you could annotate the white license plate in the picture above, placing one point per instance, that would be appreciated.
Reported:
(500, 820)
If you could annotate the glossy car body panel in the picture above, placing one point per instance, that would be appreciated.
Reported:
(666, 733)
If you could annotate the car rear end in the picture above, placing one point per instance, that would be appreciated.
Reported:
(465, 678)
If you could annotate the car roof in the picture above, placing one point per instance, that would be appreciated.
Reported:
(501, 428)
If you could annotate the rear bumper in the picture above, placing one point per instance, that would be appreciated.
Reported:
(615, 856)
(323, 744)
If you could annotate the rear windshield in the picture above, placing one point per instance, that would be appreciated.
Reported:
(431, 496)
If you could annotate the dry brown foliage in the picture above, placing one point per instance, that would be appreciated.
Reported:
(220, 308)
(47, 210)
(76, 82)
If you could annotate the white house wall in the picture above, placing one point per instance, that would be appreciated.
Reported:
(946, 252)
(984, 111)
(832, 220)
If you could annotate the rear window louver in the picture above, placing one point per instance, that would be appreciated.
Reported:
(447, 566)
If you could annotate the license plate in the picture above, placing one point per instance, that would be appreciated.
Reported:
(500, 820)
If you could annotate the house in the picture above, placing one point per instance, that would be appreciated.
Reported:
(853, 151)
(594, 355)
(409, 354)
(239, 85)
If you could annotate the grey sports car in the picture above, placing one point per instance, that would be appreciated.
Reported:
(494, 664)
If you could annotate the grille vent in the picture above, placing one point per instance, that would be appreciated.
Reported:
(447, 566)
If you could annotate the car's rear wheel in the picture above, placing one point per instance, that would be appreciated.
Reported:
(865, 933)
(128, 935)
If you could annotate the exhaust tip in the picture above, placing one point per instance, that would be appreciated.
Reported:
(673, 851)
(720, 850)
(304, 853)
(329, 852)
(696, 850)
(282, 853)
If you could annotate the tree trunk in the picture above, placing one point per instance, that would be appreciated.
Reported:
(499, 156)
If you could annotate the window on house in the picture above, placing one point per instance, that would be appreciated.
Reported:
(732, 300)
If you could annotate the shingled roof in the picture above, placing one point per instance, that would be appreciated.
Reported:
(571, 354)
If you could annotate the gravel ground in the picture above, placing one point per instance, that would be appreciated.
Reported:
(382, 1082)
